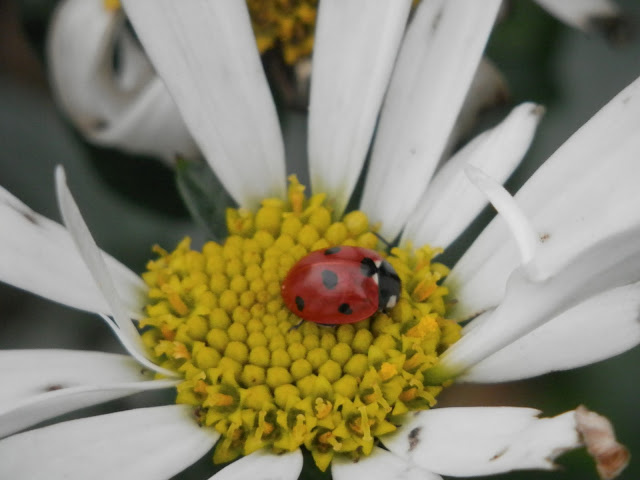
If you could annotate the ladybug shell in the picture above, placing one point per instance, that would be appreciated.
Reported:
(333, 286)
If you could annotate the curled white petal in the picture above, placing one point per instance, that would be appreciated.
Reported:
(206, 54)
(526, 238)
(38, 255)
(451, 202)
(601, 327)
(436, 64)
(92, 256)
(347, 88)
(574, 200)
(483, 440)
(126, 106)
(263, 465)
(154, 442)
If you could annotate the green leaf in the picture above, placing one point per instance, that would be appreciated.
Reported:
(204, 196)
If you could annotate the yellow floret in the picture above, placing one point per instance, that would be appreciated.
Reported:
(261, 378)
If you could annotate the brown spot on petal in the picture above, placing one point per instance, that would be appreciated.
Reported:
(53, 388)
(30, 218)
(598, 436)
(498, 455)
(544, 237)
(414, 438)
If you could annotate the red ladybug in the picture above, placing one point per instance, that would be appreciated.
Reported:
(340, 285)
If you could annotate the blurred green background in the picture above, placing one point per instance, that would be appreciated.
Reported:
(131, 203)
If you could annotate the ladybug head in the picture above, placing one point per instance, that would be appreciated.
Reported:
(388, 286)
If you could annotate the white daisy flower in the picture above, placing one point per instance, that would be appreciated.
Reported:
(104, 82)
(561, 255)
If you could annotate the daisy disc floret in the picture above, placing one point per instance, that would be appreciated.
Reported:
(217, 317)
(286, 24)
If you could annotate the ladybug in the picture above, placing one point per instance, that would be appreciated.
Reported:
(340, 285)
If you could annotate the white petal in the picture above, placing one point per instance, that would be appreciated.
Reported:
(483, 441)
(93, 258)
(529, 303)
(436, 64)
(601, 327)
(132, 345)
(573, 201)
(38, 255)
(48, 383)
(583, 14)
(128, 108)
(207, 56)
(33, 372)
(122, 325)
(379, 465)
(526, 238)
(147, 126)
(451, 202)
(149, 443)
(356, 42)
(263, 465)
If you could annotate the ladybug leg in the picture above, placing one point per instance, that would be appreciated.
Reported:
(296, 326)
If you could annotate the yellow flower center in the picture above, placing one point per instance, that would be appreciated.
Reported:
(217, 317)
(112, 5)
(284, 24)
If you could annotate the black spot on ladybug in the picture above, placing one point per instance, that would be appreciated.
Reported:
(368, 267)
(299, 303)
(329, 279)
(345, 308)
(332, 251)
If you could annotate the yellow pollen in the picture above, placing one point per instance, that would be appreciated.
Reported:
(180, 351)
(323, 408)
(296, 195)
(200, 387)
(217, 316)
(422, 291)
(111, 5)
(220, 400)
(178, 305)
(409, 395)
(299, 429)
(167, 333)
(328, 439)
(387, 371)
(287, 25)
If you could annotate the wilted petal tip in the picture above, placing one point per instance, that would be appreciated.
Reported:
(597, 433)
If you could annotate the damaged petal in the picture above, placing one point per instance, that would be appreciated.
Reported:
(600, 440)
(414, 438)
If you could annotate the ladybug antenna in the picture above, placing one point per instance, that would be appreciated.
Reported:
(383, 240)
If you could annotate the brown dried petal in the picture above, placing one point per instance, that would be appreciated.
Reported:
(598, 436)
